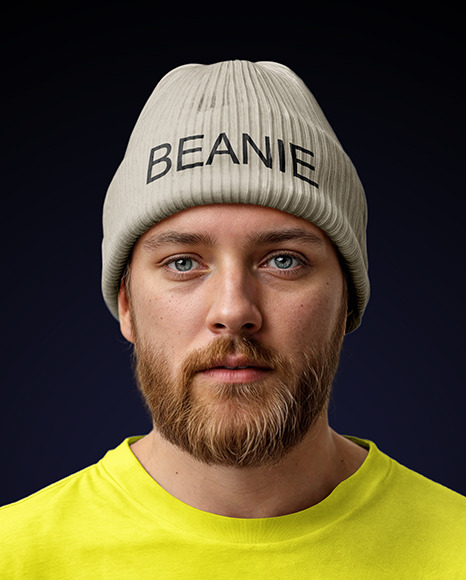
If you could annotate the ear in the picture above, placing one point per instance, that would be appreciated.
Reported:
(124, 313)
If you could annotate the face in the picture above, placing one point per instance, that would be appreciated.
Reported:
(237, 313)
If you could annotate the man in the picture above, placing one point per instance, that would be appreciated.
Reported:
(234, 258)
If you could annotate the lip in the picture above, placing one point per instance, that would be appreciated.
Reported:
(235, 375)
(236, 369)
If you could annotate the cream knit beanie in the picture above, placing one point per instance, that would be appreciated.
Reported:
(235, 132)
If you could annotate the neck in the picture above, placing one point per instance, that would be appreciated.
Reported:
(306, 476)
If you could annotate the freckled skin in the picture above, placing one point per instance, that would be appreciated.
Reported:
(234, 289)
(237, 287)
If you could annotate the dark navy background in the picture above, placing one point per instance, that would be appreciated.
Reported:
(73, 85)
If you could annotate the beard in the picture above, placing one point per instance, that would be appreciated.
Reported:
(238, 424)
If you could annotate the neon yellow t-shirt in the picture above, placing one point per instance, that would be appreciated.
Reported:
(112, 520)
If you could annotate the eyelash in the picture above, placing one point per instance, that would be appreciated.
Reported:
(302, 262)
(300, 259)
(180, 274)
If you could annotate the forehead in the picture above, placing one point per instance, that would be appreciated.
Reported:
(233, 221)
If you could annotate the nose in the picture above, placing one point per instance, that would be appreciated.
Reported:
(234, 307)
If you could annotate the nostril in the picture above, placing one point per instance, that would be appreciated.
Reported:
(233, 311)
(246, 326)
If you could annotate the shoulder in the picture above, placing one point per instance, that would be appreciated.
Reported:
(42, 531)
(78, 492)
(405, 493)
(408, 519)
(32, 528)
(424, 513)
(412, 491)
(44, 501)
(392, 477)
(424, 492)
(75, 500)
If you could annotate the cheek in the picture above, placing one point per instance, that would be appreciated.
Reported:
(312, 318)
(163, 317)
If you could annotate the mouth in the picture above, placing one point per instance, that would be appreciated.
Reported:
(236, 369)
(238, 362)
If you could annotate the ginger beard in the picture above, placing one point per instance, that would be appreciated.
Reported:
(238, 424)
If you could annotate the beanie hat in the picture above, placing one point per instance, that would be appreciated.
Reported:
(235, 132)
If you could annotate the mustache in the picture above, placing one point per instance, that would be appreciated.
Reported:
(246, 347)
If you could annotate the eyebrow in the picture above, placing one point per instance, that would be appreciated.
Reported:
(177, 238)
(260, 238)
(286, 235)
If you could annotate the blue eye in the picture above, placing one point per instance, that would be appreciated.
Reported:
(284, 262)
(182, 264)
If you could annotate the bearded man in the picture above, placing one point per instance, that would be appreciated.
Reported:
(234, 258)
